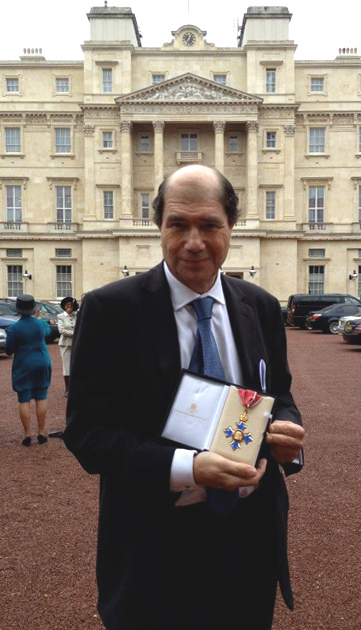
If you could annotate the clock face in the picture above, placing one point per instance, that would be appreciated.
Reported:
(188, 38)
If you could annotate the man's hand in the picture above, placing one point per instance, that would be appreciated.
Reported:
(285, 439)
(214, 471)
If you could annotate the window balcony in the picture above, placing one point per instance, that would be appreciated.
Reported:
(313, 226)
(13, 226)
(195, 157)
(62, 228)
(143, 223)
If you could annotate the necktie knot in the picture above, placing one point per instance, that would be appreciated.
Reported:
(203, 307)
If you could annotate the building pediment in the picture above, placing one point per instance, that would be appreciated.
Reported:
(192, 89)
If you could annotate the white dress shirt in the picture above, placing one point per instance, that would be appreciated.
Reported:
(181, 478)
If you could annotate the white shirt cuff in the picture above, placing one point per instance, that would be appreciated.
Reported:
(181, 472)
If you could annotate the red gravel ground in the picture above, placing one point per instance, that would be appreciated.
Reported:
(48, 517)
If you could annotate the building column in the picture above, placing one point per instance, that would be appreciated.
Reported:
(252, 170)
(219, 127)
(158, 126)
(126, 210)
(289, 207)
(89, 192)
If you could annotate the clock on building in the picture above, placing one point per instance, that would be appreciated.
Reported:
(189, 38)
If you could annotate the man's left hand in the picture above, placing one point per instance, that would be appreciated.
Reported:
(286, 440)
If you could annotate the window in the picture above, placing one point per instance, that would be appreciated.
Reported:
(62, 140)
(145, 205)
(63, 281)
(158, 78)
(270, 81)
(144, 144)
(233, 144)
(13, 204)
(107, 140)
(108, 204)
(12, 140)
(63, 204)
(189, 142)
(271, 139)
(14, 253)
(359, 204)
(107, 80)
(359, 140)
(316, 253)
(220, 78)
(316, 204)
(316, 279)
(63, 253)
(62, 84)
(270, 204)
(317, 84)
(15, 280)
(12, 84)
(317, 137)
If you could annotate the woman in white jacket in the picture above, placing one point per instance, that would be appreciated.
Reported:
(66, 325)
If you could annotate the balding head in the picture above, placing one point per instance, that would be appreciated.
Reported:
(198, 182)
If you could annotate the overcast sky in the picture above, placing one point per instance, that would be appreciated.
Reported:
(59, 27)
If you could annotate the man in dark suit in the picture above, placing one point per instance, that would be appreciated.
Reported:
(166, 560)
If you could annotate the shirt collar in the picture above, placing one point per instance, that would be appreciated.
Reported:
(182, 295)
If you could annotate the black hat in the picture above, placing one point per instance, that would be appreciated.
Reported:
(69, 300)
(25, 305)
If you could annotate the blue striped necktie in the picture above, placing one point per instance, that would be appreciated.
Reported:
(205, 360)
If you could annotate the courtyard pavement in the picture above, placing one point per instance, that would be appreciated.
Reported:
(48, 514)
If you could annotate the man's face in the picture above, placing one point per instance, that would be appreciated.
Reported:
(195, 233)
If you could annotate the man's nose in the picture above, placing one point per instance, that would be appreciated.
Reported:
(194, 240)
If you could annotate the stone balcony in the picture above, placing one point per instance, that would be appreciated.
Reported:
(62, 228)
(193, 157)
(13, 227)
(312, 226)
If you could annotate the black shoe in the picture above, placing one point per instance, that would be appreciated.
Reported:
(56, 434)
(26, 441)
(42, 439)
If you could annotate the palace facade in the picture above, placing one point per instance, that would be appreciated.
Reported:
(85, 144)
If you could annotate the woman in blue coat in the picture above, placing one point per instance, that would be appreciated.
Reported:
(31, 369)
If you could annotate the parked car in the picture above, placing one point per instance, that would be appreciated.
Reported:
(284, 315)
(49, 312)
(301, 304)
(327, 318)
(343, 321)
(2, 340)
(7, 316)
(352, 331)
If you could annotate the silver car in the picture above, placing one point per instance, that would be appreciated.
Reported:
(2, 340)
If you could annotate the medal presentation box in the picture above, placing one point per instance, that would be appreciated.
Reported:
(211, 415)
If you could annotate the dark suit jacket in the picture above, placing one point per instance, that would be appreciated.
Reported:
(125, 368)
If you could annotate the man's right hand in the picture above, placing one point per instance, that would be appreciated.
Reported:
(214, 471)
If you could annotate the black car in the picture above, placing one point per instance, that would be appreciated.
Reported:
(301, 304)
(327, 318)
(352, 331)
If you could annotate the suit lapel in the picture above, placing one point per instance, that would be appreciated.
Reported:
(244, 327)
(159, 318)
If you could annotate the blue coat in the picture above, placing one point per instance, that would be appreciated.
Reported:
(32, 365)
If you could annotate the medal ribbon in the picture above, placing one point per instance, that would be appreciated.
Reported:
(249, 398)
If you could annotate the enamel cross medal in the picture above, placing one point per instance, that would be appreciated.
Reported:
(239, 434)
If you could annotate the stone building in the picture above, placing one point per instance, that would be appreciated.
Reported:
(85, 144)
